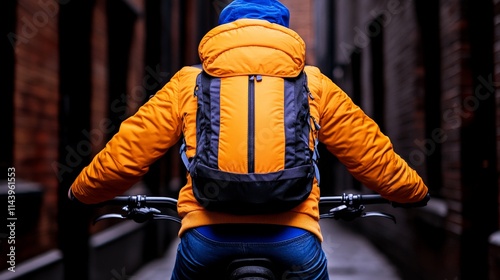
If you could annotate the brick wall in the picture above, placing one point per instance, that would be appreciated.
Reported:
(404, 99)
(454, 77)
(404, 116)
(36, 101)
(301, 20)
(99, 99)
(496, 50)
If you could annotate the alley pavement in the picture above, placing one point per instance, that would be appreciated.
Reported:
(350, 257)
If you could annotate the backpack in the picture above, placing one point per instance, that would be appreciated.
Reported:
(216, 185)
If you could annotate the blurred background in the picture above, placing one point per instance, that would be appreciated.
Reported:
(72, 70)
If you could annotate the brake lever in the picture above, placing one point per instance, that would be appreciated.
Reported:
(109, 216)
(379, 214)
(343, 212)
(166, 217)
(139, 215)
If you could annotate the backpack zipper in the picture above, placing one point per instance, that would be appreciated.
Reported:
(251, 121)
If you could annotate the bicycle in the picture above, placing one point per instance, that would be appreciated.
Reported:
(347, 207)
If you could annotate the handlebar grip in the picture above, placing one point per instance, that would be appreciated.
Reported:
(120, 199)
(420, 203)
(373, 199)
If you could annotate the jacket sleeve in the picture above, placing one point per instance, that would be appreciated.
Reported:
(356, 140)
(142, 139)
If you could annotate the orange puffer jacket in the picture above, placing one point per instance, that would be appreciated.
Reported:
(242, 47)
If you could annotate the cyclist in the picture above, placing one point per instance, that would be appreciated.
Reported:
(293, 238)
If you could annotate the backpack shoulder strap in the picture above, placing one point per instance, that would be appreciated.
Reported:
(203, 82)
(183, 148)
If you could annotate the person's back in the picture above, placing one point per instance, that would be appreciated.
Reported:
(253, 38)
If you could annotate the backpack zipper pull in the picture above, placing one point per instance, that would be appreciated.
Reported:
(316, 125)
(195, 91)
(306, 87)
(257, 78)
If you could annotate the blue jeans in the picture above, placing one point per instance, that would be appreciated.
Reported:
(204, 257)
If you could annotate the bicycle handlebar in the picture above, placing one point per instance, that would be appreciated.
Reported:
(353, 199)
(348, 207)
(142, 199)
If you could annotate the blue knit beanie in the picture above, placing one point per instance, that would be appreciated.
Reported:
(270, 10)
